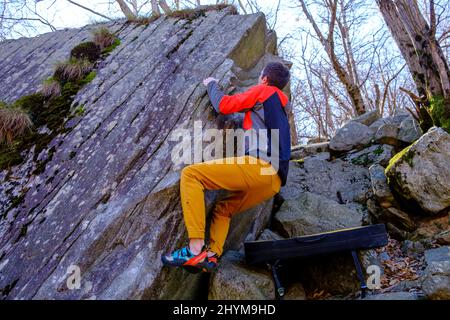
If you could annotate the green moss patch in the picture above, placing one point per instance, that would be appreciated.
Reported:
(362, 160)
(440, 112)
(45, 112)
(378, 151)
(86, 50)
(406, 154)
(50, 112)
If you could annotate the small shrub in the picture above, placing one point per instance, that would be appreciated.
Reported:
(86, 50)
(103, 37)
(72, 70)
(14, 122)
(51, 88)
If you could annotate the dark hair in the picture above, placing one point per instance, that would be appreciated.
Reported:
(277, 73)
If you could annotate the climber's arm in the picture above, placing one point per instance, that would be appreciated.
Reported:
(227, 104)
(215, 94)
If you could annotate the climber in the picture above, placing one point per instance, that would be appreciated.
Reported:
(241, 175)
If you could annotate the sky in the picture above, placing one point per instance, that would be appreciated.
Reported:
(69, 15)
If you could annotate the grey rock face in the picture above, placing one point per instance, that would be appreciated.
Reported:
(375, 154)
(350, 136)
(422, 172)
(368, 118)
(399, 116)
(436, 283)
(409, 130)
(380, 186)
(245, 226)
(113, 208)
(394, 296)
(302, 151)
(311, 213)
(398, 218)
(378, 123)
(269, 235)
(337, 180)
(235, 280)
(387, 134)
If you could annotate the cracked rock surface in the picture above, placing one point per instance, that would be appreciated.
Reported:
(108, 200)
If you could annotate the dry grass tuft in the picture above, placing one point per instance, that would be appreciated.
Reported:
(72, 70)
(103, 37)
(51, 88)
(14, 122)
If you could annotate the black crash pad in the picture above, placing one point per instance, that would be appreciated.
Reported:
(353, 239)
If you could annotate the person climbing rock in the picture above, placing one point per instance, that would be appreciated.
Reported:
(265, 107)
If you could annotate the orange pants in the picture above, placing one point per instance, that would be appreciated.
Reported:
(248, 185)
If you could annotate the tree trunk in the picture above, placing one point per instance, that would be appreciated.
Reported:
(165, 6)
(155, 8)
(423, 55)
(350, 84)
(126, 10)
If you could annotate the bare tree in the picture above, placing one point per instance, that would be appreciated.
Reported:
(22, 18)
(417, 42)
(347, 73)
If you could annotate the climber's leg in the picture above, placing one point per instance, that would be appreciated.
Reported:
(233, 174)
(237, 202)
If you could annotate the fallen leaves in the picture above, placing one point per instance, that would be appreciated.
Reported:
(398, 267)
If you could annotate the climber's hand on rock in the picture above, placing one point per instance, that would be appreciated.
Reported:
(208, 80)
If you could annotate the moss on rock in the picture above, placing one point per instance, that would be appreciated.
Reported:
(394, 177)
(86, 50)
(440, 112)
(44, 112)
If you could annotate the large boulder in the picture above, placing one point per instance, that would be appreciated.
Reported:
(352, 135)
(436, 280)
(380, 186)
(375, 154)
(302, 151)
(409, 130)
(235, 280)
(337, 180)
(312, 213)
(106, 202)
(387, 134)
(421, 172)
(368, 118)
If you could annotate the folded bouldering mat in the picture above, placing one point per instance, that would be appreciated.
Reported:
(272, 252)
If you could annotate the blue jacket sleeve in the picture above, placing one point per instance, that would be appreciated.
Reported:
(215, 94)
